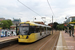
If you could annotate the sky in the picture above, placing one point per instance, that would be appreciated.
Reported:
(10, 9)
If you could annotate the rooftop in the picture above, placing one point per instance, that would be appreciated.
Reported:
(16, 20)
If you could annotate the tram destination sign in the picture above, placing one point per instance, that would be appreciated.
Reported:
(24, 24)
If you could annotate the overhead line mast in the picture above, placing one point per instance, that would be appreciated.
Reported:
(52, 15)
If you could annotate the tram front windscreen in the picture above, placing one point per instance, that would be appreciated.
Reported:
(23, 29)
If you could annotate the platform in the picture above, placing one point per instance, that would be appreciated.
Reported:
(8, 38)
(5, 41)
(65, 42)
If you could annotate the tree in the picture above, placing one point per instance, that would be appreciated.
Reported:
(6, 24)
(60, 27)
(55, 25)
(9, 23)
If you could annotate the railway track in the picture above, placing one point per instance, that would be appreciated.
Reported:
(47, 43)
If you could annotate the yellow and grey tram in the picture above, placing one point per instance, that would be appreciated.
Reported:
(30, 32)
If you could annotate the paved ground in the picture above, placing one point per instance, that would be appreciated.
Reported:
(70, 41)
(47, 43)
(7, 38)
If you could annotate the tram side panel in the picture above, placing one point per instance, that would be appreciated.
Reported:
(42, 33)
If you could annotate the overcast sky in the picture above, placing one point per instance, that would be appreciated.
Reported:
(10, 9)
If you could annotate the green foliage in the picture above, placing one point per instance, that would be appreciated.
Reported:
(6, 24)
(55, 25)
(60, 27)
(9, 23)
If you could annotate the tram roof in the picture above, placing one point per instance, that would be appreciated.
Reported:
(35, 24)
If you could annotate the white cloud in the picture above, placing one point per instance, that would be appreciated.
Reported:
(13, 9)
(72, 2)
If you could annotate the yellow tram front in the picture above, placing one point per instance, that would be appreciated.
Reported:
(26, 33)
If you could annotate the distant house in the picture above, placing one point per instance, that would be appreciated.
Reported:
(2, 19)
(16, 21)
(50, 24)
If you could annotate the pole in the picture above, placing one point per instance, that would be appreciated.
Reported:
(0, 33)
(16, 28)
(52, 25)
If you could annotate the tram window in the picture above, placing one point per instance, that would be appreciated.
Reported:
(45, 29)
(31, 29)
(37, 29)
(40, 29)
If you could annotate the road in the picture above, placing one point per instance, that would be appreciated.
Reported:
(47, 43)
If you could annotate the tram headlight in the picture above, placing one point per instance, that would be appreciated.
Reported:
(27, 37)
(18, 36)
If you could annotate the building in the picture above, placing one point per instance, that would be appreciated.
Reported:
(8, 19)
(16, 21)
(50, 24)
(2, 19)
(70, 19)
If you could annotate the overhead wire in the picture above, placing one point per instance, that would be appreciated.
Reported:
(50, 7)
(28, 7)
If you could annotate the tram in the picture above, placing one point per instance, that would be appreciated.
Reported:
(30, 32)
